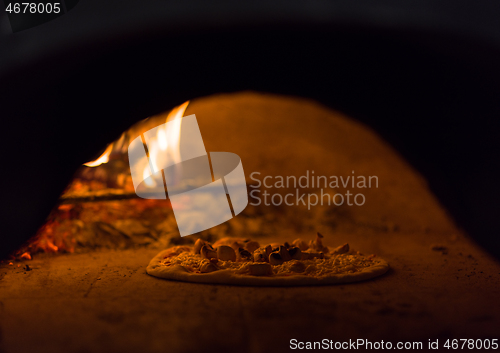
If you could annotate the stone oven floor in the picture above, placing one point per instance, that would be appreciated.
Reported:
(104, 301)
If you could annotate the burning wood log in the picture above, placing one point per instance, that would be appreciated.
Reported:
(102, 195)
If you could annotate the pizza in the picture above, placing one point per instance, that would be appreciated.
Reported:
(244, 262)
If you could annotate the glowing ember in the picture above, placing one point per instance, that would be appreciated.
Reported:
(26, 256)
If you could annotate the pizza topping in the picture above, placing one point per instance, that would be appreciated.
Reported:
(297, 266)
(311, 269)
(259, 257)
(262, 254)
(275, 258)
(177, 251)
(208, 267)
(251, 246)
(260, 269)
(243, 255)
(341, 249)
(235, 243)
(295, 253)
(285, 255)
(198, 245)
(208, 252)
(317, 244)
(312, 255)
(302, 245)
(226, 253)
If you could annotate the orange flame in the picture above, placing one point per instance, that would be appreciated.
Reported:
(56, 234)
(104, 158)
(167, 140)
(165, 146)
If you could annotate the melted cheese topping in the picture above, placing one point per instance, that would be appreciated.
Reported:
(331, 264)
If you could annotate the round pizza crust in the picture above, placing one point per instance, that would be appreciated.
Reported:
(227, 276)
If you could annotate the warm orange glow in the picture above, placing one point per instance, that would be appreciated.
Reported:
(26, 256)
(149, 182)
(56, 235)
(104, 158)
(166, 141)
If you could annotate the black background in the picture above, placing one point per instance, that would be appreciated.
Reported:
(26, 19)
